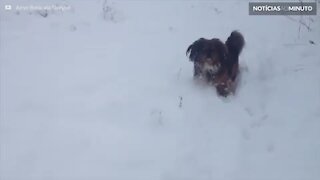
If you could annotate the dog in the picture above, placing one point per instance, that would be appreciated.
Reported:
(217, 63)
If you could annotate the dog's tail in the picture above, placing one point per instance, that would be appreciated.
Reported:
(235, 43)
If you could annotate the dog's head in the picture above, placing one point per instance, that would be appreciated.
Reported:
(207, 55)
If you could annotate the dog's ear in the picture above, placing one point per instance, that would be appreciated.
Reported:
(195, 49)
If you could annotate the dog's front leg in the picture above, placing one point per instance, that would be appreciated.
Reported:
(222, 84)
(197, 70)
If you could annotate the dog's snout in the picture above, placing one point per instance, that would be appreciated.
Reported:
(210, 71)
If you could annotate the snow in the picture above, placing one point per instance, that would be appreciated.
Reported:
(88, 94)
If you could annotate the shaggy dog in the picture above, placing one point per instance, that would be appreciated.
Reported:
(217, 63)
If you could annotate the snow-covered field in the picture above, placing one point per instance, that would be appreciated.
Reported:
(88, 93)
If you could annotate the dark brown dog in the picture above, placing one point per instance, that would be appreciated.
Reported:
(217, 62)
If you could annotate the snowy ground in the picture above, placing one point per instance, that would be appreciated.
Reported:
(93, 95)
